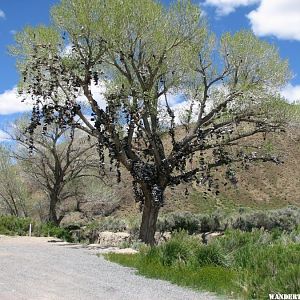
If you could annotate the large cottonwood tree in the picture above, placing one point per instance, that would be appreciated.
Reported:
(143, 53)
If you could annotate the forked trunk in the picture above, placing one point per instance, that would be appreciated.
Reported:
(149, 219)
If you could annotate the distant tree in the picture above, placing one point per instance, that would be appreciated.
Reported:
(143, 53)
(56, 162)
(14, 195)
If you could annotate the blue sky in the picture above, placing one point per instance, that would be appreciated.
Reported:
(277, 21)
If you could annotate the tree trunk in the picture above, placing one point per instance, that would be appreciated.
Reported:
(149, 218)
(52, 211)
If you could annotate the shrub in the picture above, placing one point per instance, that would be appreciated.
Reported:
(176, 251)
(289, 280)
(179, 221)
(49, 229)
(295, 234)
(248, 221)
(209, 223)
(133, 226)
(284, 219)
(265, 261)
(11, 225)
(107, 224)
(236, 239)
(192, 223)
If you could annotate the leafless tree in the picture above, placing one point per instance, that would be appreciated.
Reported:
(13, 193)
(56, 161)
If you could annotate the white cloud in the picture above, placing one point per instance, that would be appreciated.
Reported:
(3, 136)
(172, 98)
(291, 92)
(2, 14)
(10, 103)
(225, 7)
(280, 18)
(13, 32)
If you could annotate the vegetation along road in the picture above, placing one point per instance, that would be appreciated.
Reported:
(32, 268)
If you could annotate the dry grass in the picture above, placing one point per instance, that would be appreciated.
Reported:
(264, 185)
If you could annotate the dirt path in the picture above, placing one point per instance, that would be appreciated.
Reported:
(33, 269)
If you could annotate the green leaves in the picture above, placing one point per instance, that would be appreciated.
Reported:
(253, 62)
(79, 17)
(34, 41)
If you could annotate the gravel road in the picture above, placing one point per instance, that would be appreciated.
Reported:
(34, 269)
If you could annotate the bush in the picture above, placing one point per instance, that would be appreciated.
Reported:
(183, 249)
(133, 226)
(235, 239)
(49, 229)
(247, 222)
(295, 235)
(192, 223)
(179, 221)
(265, 261)
(107, 224)
(210, 223)
(178, 250)
(11, 225)
(284, 219)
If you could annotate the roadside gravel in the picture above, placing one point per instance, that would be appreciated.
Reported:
(34, 269)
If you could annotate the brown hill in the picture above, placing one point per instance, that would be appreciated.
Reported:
(264, 185)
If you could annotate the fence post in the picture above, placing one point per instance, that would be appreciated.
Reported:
(30, 229)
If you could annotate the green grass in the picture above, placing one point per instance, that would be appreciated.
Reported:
(212, 278)
(180, 261)
(246, 265)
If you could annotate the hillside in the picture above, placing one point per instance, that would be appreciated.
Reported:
(264, 185)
